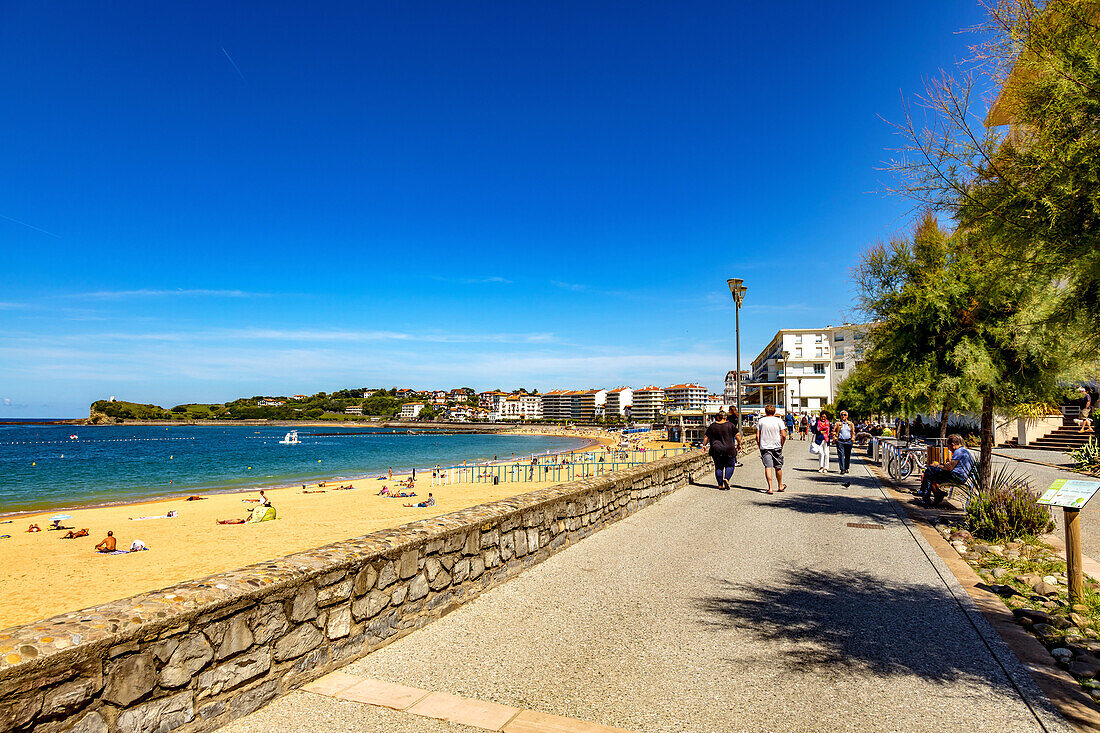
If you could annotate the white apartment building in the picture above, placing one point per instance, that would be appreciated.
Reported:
(648, 404)
(728, 396)
(619, 402)
(685, 396)
(353, 410)
(801, 369)
(410, 410)
(513, 407)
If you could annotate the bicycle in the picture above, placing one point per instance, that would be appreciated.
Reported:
(901, 462)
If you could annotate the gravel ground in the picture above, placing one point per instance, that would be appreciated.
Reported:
(715, 611)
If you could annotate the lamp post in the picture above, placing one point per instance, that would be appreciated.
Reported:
(737, 290)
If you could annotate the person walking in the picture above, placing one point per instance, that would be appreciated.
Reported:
(788, 419)
(725, 442)
(845, 433)
(822, 440)
(1086, 410)
(804, 428)
(771, 434)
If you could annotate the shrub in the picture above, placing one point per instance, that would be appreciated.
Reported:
(1087, 457)
(1008, 509)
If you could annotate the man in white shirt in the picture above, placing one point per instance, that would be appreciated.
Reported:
(771, 434)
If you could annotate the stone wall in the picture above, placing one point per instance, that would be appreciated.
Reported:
(196, 655)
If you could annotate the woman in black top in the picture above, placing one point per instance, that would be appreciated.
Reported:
(725, 442)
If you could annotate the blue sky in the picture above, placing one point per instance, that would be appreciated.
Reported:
(203, 201)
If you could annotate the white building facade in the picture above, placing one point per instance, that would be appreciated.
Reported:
(619, 402)
(648, 404)
(409, 410)
(801, 369)
(685, 396)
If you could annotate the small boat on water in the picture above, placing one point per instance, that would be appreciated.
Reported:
(291, 438)
(73, 437)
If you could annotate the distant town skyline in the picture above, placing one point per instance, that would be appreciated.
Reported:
(202, 204)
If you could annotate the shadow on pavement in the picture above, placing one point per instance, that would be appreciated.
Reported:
(835, 623)
(853, 506)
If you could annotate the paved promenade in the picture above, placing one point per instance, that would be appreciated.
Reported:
(714, 611)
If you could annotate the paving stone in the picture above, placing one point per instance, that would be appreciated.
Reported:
(477, 713)
(386, 694)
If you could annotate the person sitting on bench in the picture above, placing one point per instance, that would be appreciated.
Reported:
(955, 471)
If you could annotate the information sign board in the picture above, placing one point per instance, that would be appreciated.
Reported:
(1069, 493)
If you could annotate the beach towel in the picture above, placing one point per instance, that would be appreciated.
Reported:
(116, 552)
(169, 515)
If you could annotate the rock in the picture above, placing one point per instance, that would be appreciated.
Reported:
(16, 711)
(960, 547)
(962, 534)
(409, 564)
(461, 570)
(418, 588)
(999, 572)
(477, 566)
(370, 605)
(1044, 629)
(90, 723)
(251, 700)
(1012, 555)
(400, 593)
(1050, 580)
(1095, 694)
(1045, 589)
(299, 641)
(442, 580)
(335, 593)
(235, 672)
(158, 716)
(1059, 622)
(190, 656)
(982, 549)
(1085, 666)
(69, 697)
(338, 624)
(387, 575)
(1079, 608)
(130, 679)
(1028, 580)
(238, 637)
(364, 580)
(268, 622)
(305, 604)
(972, 557)
(432, 567)
(1004, 590)
(1077, 619)
(1061, 654)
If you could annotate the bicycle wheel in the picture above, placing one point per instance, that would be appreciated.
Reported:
(893, 461)
(905, 469)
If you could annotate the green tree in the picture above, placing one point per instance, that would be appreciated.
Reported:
(1032, 195)
(949, 324)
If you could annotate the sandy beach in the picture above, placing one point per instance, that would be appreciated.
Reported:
(49, 575)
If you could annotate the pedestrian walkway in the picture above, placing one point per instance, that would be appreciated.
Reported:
(817, 609)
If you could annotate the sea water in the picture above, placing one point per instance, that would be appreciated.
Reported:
(42, 467)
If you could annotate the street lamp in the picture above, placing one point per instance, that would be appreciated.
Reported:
(737, 290)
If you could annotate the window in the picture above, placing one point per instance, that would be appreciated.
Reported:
(839, 351)
(798, 353)
(840, 365)
(798, 338)
(819, 368)
(838, 337)
(818, 353)
(818, 339)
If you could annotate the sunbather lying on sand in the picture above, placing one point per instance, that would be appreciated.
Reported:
(384, 492)
(73, 535)
(430, 501)
(400, 494)
(34, 528)
(196, 498)
(315, 491)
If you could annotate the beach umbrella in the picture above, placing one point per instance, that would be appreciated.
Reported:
(60, 517)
